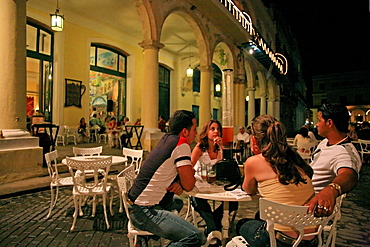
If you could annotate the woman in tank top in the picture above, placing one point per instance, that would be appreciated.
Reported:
(279, 174)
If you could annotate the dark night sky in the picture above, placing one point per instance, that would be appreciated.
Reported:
(333, 35)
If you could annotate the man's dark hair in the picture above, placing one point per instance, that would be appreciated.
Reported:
(303, 132)
(338, 114)
(181, 119)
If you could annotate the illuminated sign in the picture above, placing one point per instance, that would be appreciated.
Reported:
(245, 20)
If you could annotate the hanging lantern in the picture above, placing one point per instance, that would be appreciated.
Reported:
(57, 20)
(189, 71)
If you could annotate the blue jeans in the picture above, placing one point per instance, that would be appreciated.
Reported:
(254, 231)
(163, 223)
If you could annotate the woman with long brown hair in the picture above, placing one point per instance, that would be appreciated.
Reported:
(209, 150)
(279, 174)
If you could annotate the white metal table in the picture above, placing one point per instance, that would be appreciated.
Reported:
(116, 160)
(214, 192)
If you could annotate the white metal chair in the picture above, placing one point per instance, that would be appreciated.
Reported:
(125, 180)
(293, 216)
(94, 133)
(56, 181)
(365, 149)
(136, 157)
(98, 186)
(305, 150)
(87, 151)
(71, 133)
(332, 226)
(103, 136)
(61, 136)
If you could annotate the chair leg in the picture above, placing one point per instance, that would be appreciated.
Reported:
(132, 240)
(52, 203)
(188, 209)
(105, 210)
(120, 202)
(94, 207)
(194, 216)
(334, 237)
(111, 202)
(76, 203)
(56, 196)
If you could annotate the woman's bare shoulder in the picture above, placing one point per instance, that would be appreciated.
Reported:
(256, 160)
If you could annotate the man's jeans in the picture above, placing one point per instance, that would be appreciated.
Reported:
(163, 223)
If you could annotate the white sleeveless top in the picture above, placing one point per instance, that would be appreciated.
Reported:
(204, 158)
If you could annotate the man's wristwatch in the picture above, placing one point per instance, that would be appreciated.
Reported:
(337, 187)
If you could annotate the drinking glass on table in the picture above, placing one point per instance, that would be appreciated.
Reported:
(211, 175)
(204, 167)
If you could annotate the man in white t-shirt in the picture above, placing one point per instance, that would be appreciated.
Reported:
(336, 162)
(244, 137)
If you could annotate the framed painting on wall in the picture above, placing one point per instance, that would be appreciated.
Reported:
(74, 92)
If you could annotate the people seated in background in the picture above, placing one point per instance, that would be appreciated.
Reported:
(364, 133)
(165, 173)
(124, 134)
(241, 136)
(113, 133)
(336, 162)
(94, 121)
(352, 132)
(209, 150)
(279, 174)
(81, 128)
(94, 112)
(302, 137)
(162, 124)
(310, 133)
(94, 125)
(104, 125)
(241, 142)
(138, 122)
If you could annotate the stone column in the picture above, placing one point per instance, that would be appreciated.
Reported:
(205, 94)
(149, 105)
(239, 104)
(271, 106)
(240, 91)
(227, 99)
(277, 109)
(58, 79)
(263, 104)
(13, 64)
(20, 154)
(251, 104)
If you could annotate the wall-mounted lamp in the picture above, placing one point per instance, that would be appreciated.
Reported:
(218, 88)
(189, 71)
(57, 20)
(247, 98)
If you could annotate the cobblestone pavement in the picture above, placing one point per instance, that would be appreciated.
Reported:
(23, 220)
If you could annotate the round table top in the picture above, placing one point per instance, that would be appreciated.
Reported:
(215, 192)
(115, 159)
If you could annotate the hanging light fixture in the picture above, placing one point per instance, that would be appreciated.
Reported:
(218, 87)
(57, 20)
(189, 71)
